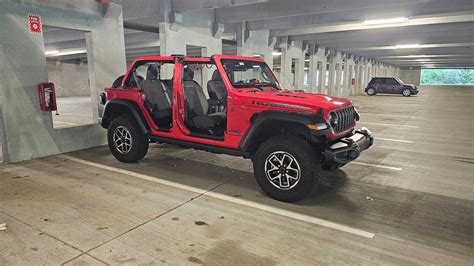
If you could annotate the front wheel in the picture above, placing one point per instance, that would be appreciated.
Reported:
(371, 92)
(286, 168)
(406, 92)
(126, 141)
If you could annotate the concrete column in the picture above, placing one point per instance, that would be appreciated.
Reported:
(357, 76)
(292, 51)
(251, 43)
(29, 132)
(348, 69)
(335, 71)
(198, 30)
(313, 68)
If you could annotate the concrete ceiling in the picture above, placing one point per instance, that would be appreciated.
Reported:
(444, 30)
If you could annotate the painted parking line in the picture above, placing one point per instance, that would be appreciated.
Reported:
(274, 210)
(395, 140)
(394, 115)
(389, 125)
(66, 123)
(378, 166)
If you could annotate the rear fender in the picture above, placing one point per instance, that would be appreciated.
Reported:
(118, 107)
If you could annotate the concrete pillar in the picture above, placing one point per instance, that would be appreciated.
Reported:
(292, 52)
(313, 73)
(29, 132)
(251, 43)
(178, 32)
(335, 71)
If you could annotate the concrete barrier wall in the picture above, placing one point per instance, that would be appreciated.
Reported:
(70, 80)
(28, 132)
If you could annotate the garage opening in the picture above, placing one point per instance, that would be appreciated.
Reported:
(447, 76)
(68, 69)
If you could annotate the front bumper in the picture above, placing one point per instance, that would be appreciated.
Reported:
(347, 149)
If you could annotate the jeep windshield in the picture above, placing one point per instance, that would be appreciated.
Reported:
(249, 74)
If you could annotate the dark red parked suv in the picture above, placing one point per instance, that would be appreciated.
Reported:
(390, 86)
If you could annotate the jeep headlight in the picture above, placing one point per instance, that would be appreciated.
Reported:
(333, 119)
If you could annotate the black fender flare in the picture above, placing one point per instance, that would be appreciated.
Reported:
(120, 105)
(260, 121)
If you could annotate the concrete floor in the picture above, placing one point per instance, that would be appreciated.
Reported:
(73, 112)
(408, 200)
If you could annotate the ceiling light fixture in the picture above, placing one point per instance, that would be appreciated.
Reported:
(65, 52)
(53, 52)
(407, 46)
(385, 21)
(276, 53)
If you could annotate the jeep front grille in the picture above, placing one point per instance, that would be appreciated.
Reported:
(345, 119)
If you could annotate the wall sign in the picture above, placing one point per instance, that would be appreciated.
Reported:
(34, 24)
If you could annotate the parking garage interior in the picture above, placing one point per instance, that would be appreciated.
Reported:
(408, 199)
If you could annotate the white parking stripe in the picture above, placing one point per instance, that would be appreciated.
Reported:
(378, 166)
(66, 123)
(389, 125)
(286, 213)
(395, 140)
(393, 115)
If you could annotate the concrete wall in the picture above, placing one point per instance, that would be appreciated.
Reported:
(70, 79)
(28, 131)
(411, 76)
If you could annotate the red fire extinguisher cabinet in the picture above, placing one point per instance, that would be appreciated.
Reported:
(47, 95)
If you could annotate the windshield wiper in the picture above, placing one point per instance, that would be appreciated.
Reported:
(267, 84)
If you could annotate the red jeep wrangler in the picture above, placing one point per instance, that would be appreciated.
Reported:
(243, 111)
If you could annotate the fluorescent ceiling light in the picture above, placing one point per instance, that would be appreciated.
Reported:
(385, 21)
(276, 53)
(407, 46)
(65, 52)
(53, 52)
(426, 59)
(256, 55)
(416, 56)
(307, 60)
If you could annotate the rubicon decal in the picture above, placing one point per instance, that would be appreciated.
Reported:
(270, 104)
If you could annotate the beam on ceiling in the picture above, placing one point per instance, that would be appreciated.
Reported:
(285, 8)
(354, 26)
(140, 27)
(408, 10)
(194, 5)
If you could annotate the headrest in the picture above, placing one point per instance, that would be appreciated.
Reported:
(152, 73)
(188, 74)
(216, 76)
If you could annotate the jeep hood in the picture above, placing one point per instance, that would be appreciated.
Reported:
(311, 100)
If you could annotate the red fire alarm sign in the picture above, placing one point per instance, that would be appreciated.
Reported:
(34, 24)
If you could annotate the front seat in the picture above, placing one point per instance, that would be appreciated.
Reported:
(197, 106)
(216, 89)
(157, 97)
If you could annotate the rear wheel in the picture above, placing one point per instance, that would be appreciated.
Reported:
(286, 168)
(406, 92)
(126, 140)
(371, 92)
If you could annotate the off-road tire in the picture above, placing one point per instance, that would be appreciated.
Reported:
(371, 92)
(301, 151)
(406, 92)
(139, 141)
